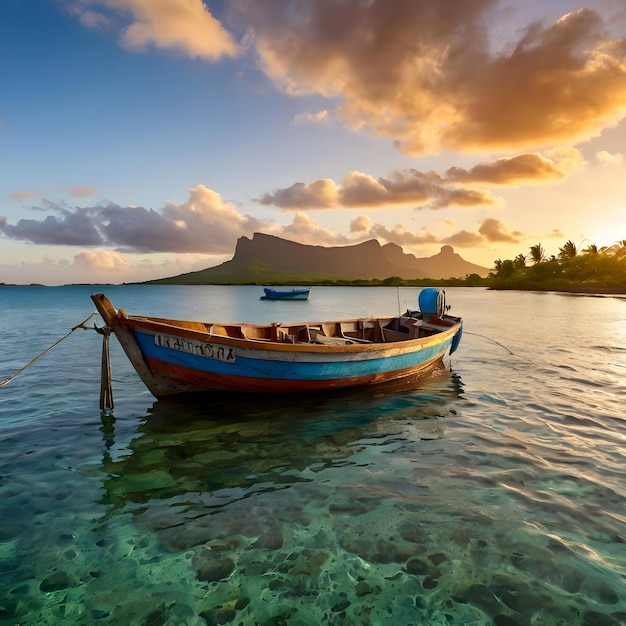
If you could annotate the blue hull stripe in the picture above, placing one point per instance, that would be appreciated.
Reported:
(318, 369)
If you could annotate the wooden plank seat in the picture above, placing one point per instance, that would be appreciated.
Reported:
(318, 336)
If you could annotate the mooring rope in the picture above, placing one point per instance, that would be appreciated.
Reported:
(56, 343)
(490, 339)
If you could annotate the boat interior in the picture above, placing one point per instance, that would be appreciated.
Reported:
(370, 330)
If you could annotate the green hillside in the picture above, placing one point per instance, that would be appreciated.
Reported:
(250, 272)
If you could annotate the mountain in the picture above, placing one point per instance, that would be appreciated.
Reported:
(267, 259)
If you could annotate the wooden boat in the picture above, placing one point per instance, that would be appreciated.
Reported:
(291, 294)
(176, 356)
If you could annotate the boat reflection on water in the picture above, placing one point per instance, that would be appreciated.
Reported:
(199, 455)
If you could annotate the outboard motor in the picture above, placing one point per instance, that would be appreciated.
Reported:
(432, 303)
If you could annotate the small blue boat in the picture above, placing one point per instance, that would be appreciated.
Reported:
(290, 294)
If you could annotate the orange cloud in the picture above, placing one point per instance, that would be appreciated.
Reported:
(358, 190)
(427, 75)
(307, 231)
(464, 239)
(493, 230)
(20, 196)
(81, 191)
(186, 26)
(490, 231)
(522, 168)
(320, 194)
(607, 158)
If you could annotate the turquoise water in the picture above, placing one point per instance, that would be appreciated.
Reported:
(490, 492)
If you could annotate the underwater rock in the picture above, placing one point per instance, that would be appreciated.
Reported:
(418, 567)
(375, 550)
(213, 570)
(595, 618)
(194, 534)
(515, 594)
(311, 566)
(482, 597)
(146, 481)
(430, 582)
(341, 605)
(55, 582)
(414, 533)
(362, 589)
(7, 609)
(158, 616)
(600, 591)
(255, 568)
(218, 616)
(349, 507)
(437, 558)
(271, 540)
(99, 614)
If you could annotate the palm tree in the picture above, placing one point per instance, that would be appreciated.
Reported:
(568, 251)
(497, 268)
(537, 254)
(519, 263)
(591, 250)
(617, 249)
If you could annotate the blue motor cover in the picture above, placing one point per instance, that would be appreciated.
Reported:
(432, 301)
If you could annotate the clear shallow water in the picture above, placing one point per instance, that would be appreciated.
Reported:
(491, 492)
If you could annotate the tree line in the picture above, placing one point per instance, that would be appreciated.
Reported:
(589, 269)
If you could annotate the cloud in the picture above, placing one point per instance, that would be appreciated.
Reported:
(320, 116)
(358, 190)
(20, 196)
(307, 231)
(464, 239)
(71, 228)
(320, 194)
(423, 74)
(451, 196)
(400, 236)
(102, 266)
(566, 159)
(412, 187)
(399, 188)
(493, 230)
(185, 26)
(427, 75)
(101, 260)
(607, 158)
(360, 224)
(203, 223)
(81, 191)
(92, 19)
(508, 171)
(490, 231)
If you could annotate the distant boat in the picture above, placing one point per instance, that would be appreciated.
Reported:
(174, 356)
(290, 294)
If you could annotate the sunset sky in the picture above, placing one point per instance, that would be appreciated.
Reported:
(141, 138)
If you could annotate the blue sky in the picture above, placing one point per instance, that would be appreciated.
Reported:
(141, 138)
